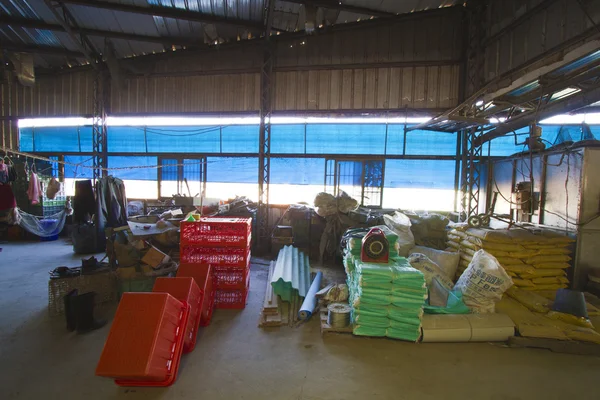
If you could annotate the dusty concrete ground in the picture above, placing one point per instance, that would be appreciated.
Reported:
(236, 360)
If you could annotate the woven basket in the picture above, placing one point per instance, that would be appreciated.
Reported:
(104, 284)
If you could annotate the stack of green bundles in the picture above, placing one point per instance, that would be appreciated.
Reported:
(387, 299)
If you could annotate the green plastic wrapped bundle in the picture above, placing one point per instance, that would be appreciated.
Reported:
(387, 299)
(354, 244)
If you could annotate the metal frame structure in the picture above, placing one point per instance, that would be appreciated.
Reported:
(264, 142)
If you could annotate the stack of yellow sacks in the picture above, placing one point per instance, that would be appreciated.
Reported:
(535, 261)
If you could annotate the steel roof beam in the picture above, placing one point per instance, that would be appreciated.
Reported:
(339, 5)
(39, 24)
(169, 12)
(28, 48)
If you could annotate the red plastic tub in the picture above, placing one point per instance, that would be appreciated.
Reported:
(184, 289)
(233, 299)
(215, 231)
(146, 339)
(204, 278)
(225, 256)
(227, 277)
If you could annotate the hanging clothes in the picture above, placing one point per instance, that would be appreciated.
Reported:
(7, 198)
(34, 191)
(3, 173)
(84, 202)
(53, 188)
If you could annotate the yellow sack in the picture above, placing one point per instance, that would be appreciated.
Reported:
(458, 233)
(497, 236)
(451, 249)
(549, 280)
(546, 287)
(523, 254)
(548, 250)
(509, 261)
(499, 253)
(529, 324)
(552, 265)
(557, 258)
(469, 252)
(467, 244)
(570, 319)
(542, 273)
(523, 282)
(512, 274)
(454, 245)
(519, 269)
(531, 300)
(495, 246)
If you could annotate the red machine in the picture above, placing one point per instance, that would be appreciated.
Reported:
(375, 247)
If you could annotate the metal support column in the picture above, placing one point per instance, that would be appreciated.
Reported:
(99, 139)
(264, 155)
(471, 175)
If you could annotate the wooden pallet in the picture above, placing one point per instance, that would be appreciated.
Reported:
(271, 311)
(325, 327)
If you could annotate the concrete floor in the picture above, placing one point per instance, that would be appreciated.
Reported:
(236, 360)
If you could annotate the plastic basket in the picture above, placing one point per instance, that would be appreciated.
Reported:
(227, 277)
(146, 339)
(231, 256)
(233, 299)
(184, 289)
(204, 278)
(222, 232)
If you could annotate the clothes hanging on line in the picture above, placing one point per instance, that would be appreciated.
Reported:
(34, 191)
(84, 202)
(3, 173)
(7, 198)
(53, 188)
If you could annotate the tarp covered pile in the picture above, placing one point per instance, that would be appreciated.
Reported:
(387, 299)
(535, 261)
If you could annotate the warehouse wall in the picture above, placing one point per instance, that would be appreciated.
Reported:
(520, 31)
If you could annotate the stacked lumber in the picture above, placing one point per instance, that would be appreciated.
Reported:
(276, 312)
(535, 261)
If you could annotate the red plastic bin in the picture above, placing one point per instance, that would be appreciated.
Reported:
(227, 277)
(145, 342)
(204, 278)
(216, 231)
(233, 299)
(184, 289)
(230, 256)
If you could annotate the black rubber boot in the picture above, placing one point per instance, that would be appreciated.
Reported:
(70, 310)
(84, 312)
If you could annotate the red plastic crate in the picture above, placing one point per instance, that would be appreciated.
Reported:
(146, 339)
(233, 299)
(227, 277)
(204, 278)
(222, 232)
(230, 256)
(184, 289)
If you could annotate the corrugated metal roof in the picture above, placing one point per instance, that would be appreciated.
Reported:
(288, 17)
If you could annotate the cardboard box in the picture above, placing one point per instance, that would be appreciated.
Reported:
(126, 272)
(155, 257)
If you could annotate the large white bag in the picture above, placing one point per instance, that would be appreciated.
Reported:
(430, 270)
(400, 224)
(446, 260)
(483, 283)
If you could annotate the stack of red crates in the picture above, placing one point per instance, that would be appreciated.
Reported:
(224, 244)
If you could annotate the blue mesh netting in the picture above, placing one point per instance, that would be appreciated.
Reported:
(345, 138)
(395, 139)
(149, 174)
(430, 143)
(183, 139)
(126, 139)
(288, 139)
(419, 174)
(79, 172)
(232, 169)
(240, 139)
(298, 171)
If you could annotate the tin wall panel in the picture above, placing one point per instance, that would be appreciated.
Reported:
(513, 46)
(187, 94)
(372, 88)
(432, 38)
(64, 94)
